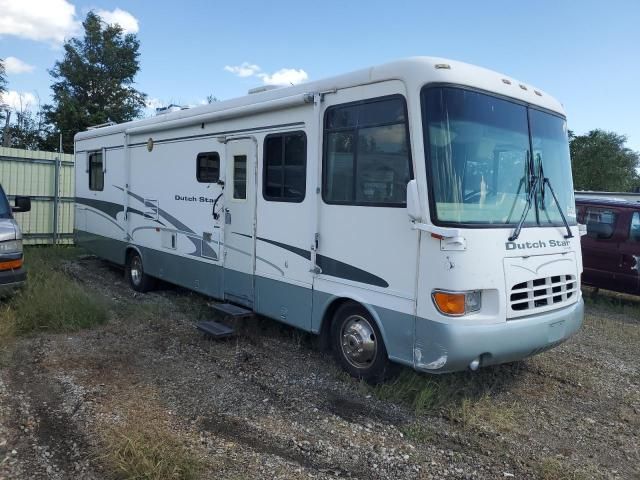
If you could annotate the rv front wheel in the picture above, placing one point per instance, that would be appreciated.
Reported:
(139, 281)
(357, 343)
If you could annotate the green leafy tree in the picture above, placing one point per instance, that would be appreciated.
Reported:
(29, 130)
(93, 83)
(601, 161)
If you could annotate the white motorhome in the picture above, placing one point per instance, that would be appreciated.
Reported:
(420, 211)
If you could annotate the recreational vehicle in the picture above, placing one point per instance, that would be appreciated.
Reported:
(420, 211)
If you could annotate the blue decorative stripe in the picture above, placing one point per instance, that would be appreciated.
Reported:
(330, 266)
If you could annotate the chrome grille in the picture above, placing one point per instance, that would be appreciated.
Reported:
(543, 292)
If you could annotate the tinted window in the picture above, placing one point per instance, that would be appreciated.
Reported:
(96, 172)
(285, 166)
(601, 222)
(5, 209)
(634, 230)
(240, 176)
(208, 167)
(366, 157)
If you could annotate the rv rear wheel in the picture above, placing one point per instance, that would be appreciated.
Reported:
(357, 343)
(139, 281)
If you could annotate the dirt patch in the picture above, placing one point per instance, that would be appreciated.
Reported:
(266, 404)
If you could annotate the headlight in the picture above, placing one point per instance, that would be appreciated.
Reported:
(457, 303)
(11, 246)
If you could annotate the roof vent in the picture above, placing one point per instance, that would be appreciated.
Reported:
(264, 88)
(506, 81)
(442, 66)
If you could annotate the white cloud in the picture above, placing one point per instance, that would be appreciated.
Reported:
(245, 69)
(40, 20)
(285, 76)
(19, 101)
(128, 22)
(15, 65)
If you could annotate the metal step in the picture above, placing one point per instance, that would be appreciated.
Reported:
(230, 310)
(215, 329)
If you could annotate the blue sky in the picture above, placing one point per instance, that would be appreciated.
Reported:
(584, 53)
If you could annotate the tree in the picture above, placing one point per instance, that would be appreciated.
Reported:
(93, 83)
(3, 86)
(601, 161)
(5, 115)
(3, 79)
(29, 129)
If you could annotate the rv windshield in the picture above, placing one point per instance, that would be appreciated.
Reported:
(479, 157)
(5, 209)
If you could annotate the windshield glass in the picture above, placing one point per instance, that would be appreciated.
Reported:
(478, 149)
(551, 150)
(5, 209)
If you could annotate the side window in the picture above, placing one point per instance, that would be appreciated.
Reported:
(634, 231)
(208, 167)
(284, 174)
(240, 177)
(601, 222)
(367, 158)
(96, 172)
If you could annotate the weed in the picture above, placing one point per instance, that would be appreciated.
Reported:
(145, 451)
(430, 393)
(485, 411)
(418, 433)
(614, 302)
(51, 301)
(553, 469)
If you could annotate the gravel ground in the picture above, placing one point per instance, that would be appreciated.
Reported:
(267, 404)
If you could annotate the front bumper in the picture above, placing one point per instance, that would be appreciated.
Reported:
(443, 347)
(12, 280)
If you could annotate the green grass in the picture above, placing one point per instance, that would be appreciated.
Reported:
(52, 301)
(613, 302)
(439, 393)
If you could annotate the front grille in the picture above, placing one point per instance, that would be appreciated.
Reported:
(543, 292)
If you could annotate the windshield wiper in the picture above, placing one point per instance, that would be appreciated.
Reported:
(546, 181)
(533, 185)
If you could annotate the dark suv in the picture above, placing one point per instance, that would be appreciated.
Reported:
(611, 247)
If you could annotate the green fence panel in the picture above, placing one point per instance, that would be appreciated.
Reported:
(33, 173)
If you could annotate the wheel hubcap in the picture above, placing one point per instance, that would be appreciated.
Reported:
(136, 270)
(358, 341)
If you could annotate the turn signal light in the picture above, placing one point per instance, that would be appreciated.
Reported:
(11, 264)
(457, 303)
(449, 303)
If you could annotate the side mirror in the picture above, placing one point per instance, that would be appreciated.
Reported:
(413, 203)
(22, 204)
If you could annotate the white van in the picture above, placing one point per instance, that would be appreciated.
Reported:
(12, 272)
(420, 211)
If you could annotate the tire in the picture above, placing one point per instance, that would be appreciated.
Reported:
(357, 343)
(138, 280)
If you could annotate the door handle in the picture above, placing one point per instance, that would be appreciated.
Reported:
(227, 216)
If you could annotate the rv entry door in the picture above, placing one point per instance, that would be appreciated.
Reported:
(239, 220)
